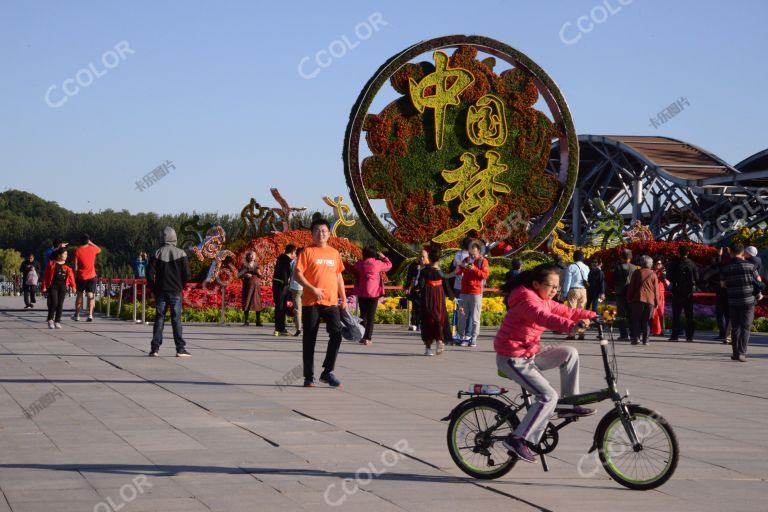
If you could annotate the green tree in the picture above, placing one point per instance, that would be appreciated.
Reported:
(11, 260)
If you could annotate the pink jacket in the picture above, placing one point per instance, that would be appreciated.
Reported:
(529, 315)
(368, 272)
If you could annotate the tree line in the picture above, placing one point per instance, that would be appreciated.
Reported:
(29, 224)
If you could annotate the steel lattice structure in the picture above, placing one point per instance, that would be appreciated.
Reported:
(676, 189)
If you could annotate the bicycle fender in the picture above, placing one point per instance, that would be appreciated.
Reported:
(609, 417)
(456, 409)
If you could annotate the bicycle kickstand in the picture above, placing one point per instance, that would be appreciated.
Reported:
(544, 462)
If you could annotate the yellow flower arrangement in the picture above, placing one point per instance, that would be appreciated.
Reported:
(390, 304)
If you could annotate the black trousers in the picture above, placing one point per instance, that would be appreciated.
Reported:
(641, 318)
(280, 296)
(622, 311)
(29, 293)
(56, 294)
(721, 312)
(311, 316)
(368, 314)
(684, 305)
(741, 325)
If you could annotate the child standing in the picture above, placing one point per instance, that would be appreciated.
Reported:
(434, 288)
(58, 277)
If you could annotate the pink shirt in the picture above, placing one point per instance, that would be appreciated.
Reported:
(529, 315)
(368, 273)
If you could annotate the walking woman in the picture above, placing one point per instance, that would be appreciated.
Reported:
(643, 297)
(58, 277)
(657, 320)
(369, 287)
(251, 276)
(434, 288)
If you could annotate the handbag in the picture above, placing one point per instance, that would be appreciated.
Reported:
(31, 278)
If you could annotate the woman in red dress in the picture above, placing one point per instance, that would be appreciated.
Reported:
(434, 288)
(657, 318)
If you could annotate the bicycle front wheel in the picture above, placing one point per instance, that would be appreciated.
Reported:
(648, 466)
(477, 451)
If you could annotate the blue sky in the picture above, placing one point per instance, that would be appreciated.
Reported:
(216, 88)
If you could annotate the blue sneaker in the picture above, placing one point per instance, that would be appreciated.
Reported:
(330, 379)
(519, 448)
(472, 343)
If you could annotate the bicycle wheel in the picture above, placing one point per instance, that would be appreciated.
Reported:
(475, 451)
(645, 468)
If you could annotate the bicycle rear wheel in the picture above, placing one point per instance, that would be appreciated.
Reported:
(645, 468)
(476, 451)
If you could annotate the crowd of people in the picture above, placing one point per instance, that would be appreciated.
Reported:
(307, 283)
(561, 297)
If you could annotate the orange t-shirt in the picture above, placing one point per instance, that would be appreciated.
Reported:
(85, 256)
(321, 267)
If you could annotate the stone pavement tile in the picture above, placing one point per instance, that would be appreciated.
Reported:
(15, 496)
(147, 503)
(741, 495)
(164, 438)
(62, 506)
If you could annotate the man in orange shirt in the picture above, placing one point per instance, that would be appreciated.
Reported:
(318, 270)
(85, 275)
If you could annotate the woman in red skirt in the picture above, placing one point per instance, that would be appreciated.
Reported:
(251, 276)
(657, 318)
(434, 318)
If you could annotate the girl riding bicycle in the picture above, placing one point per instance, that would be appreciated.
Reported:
(520, 357)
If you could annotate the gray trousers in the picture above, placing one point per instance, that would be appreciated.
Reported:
(469, 322)
(527, 373)
(741, 318)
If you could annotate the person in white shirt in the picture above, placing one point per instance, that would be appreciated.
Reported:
(576, 282)
(296, 291)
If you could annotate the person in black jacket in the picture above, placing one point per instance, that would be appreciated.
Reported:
(281, 282)
(595, 290)
(683, 276)
(30, 277)
(167, 271)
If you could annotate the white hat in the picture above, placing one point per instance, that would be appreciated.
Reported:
(751, 250)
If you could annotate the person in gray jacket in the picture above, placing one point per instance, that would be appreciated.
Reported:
(167, 271)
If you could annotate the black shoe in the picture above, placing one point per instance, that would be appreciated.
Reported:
(634, 342)
(297, 333)
(622, 338)
(259, 324)
(734, 358)
(673, 339)
(689, 340)
(183, 353)
(330, 379)
(153, 353)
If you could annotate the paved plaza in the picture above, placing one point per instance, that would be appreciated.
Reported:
(108, 428)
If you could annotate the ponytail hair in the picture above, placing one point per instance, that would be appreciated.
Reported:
(538, 274)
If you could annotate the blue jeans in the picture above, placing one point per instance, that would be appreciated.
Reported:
(163, 302)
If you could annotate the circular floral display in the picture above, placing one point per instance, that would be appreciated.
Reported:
(462, 151)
